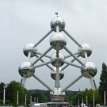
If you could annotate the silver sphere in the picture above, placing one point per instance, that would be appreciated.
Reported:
(25, 70)
(58, 21)
(89, 70)
(53, 75)
(29, 48)
(85, 48)
(58, 40)
(57, 62)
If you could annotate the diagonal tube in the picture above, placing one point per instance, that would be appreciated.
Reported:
(41, 56)
(86, 56)
(23, 81)
(70, 55)
(36, 66)
(43, 38)
(42, 82)
(71, 38)
(72, 83)
(93, 84)
(73, 56)
(44, 56)
(46, 64)
(68, 63)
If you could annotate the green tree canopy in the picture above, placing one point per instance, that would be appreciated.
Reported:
(82, 95)
(12, 90)
(1, 90)
(103, 80)
(40, 97)
(11, 93)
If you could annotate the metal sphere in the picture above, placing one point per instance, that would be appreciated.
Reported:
(57, 62)
(85, 48)
(89, 70)
(29, 48)
(58, 40)
(25, 70)
(53, 75)
(58, 21)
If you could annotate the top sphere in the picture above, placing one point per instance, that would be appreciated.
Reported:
(85, 48)
(58, 21)
(29, 48)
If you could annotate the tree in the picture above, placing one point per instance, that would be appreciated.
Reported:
(1, 92)
(12, 90)
(40, 97)
(103, 81)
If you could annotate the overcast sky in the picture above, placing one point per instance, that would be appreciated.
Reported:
(24, 21)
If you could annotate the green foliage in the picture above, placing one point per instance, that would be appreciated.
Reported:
(103, 80)
(40, 97)
(82, 95)
(1, 90)
(11, 93)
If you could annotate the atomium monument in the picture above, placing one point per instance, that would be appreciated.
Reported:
(58, 60)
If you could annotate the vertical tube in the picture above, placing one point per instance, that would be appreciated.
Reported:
(57, 84)
(82, 100)
(17, 97)
(104, 98)
(30, 99)
(29, 55)
(93, 100)
(78, 102)
(4, 95)
(86, 56)
(87, 100)
(57, 28)
(25, 99)
(37, 100)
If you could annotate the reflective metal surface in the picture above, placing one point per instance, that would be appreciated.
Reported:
(58, 40)
(29, 48)
(57, 21)
(89, 70)
(58, 45)
(53, 75)
(85, 48)
(25, 70)
(57, 62)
